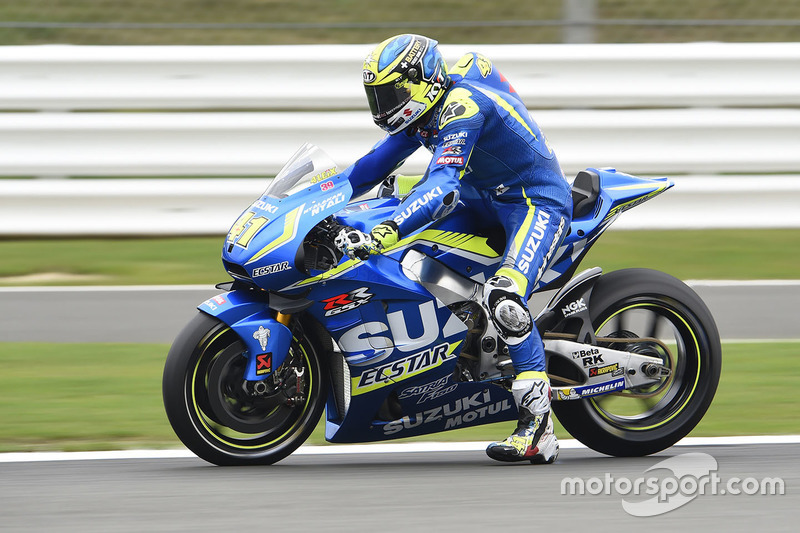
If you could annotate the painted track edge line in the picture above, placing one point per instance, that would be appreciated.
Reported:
(414, 447)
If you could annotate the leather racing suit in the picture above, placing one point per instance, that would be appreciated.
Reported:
(481, 134)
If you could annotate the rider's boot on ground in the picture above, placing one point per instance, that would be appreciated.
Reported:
(534, 439)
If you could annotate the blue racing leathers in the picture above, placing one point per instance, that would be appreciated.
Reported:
(481, 134)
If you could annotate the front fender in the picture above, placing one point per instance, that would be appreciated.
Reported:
(248, 314)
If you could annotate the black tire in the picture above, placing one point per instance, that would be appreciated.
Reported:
(226, 424)
(650, 302)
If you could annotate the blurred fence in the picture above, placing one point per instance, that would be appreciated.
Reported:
(453, 21)
(104, 112)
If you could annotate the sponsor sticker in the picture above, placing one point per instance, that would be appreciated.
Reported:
(262, 336)
(450, 160)
(403, 368)
(263, 364)
(271, 269)
(601, 370)
(573, 308)
(347, 301)
(466, 410)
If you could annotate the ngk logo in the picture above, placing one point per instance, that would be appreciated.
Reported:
(574, 307)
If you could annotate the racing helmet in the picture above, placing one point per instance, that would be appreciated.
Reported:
(405, 77)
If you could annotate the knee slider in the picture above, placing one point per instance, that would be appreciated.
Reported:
(507, 310)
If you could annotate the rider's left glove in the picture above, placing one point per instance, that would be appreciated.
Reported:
(386, 233)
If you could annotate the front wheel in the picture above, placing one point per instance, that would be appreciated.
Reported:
(227, 420)
(664, 318)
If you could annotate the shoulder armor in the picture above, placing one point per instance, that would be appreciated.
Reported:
(478, 63)
(457, 105)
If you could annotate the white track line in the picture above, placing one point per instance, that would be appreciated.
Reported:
(109, 288)
(414, 447)
(742, 282)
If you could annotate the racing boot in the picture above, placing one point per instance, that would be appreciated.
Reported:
(534, 439)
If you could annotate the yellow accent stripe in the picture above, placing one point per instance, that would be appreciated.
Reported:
(519, 238)
(341, 269)
(519, 278)
(633, 187)
(499, 100)
(222, 438)
(289, 229)
(533, 374)
(600, 411)
(363, 390)
(463, 65)
(463, 241)
(470, 243)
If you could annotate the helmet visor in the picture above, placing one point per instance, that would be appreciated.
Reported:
(385, 100)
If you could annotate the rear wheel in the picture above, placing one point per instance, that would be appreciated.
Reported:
(227, 420)
(664, 318)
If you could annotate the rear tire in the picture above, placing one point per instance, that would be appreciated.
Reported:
(648, 303)
(220, 417)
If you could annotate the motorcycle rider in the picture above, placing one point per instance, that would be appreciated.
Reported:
(481, 135)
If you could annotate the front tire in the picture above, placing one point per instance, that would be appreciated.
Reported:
(641, 303)
(229, 421)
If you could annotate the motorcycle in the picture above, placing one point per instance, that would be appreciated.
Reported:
(397, 345)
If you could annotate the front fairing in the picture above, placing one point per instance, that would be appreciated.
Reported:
(269, 256)
(264, 246)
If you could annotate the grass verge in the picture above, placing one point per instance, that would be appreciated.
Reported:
(718, 254)
(108, 396)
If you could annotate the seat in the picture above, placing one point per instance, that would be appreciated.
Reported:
(585, 191)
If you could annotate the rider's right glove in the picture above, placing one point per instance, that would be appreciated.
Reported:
(355, 243)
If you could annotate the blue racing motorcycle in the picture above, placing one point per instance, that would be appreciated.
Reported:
(397, 345)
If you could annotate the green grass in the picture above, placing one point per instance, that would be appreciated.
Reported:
(721, 254)
(108, 396)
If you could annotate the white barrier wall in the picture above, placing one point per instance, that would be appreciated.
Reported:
(63, 77)
(79, 111)
(210, 206)
(236, 144)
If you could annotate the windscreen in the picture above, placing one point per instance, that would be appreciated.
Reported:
(309, 165)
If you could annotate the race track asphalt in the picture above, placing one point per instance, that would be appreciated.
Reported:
(435, 491)
(156, 314)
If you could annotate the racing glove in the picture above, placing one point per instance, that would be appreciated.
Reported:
(355, 243)
(386, 233)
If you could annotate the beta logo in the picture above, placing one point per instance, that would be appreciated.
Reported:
(580, 354)
(263, 364)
